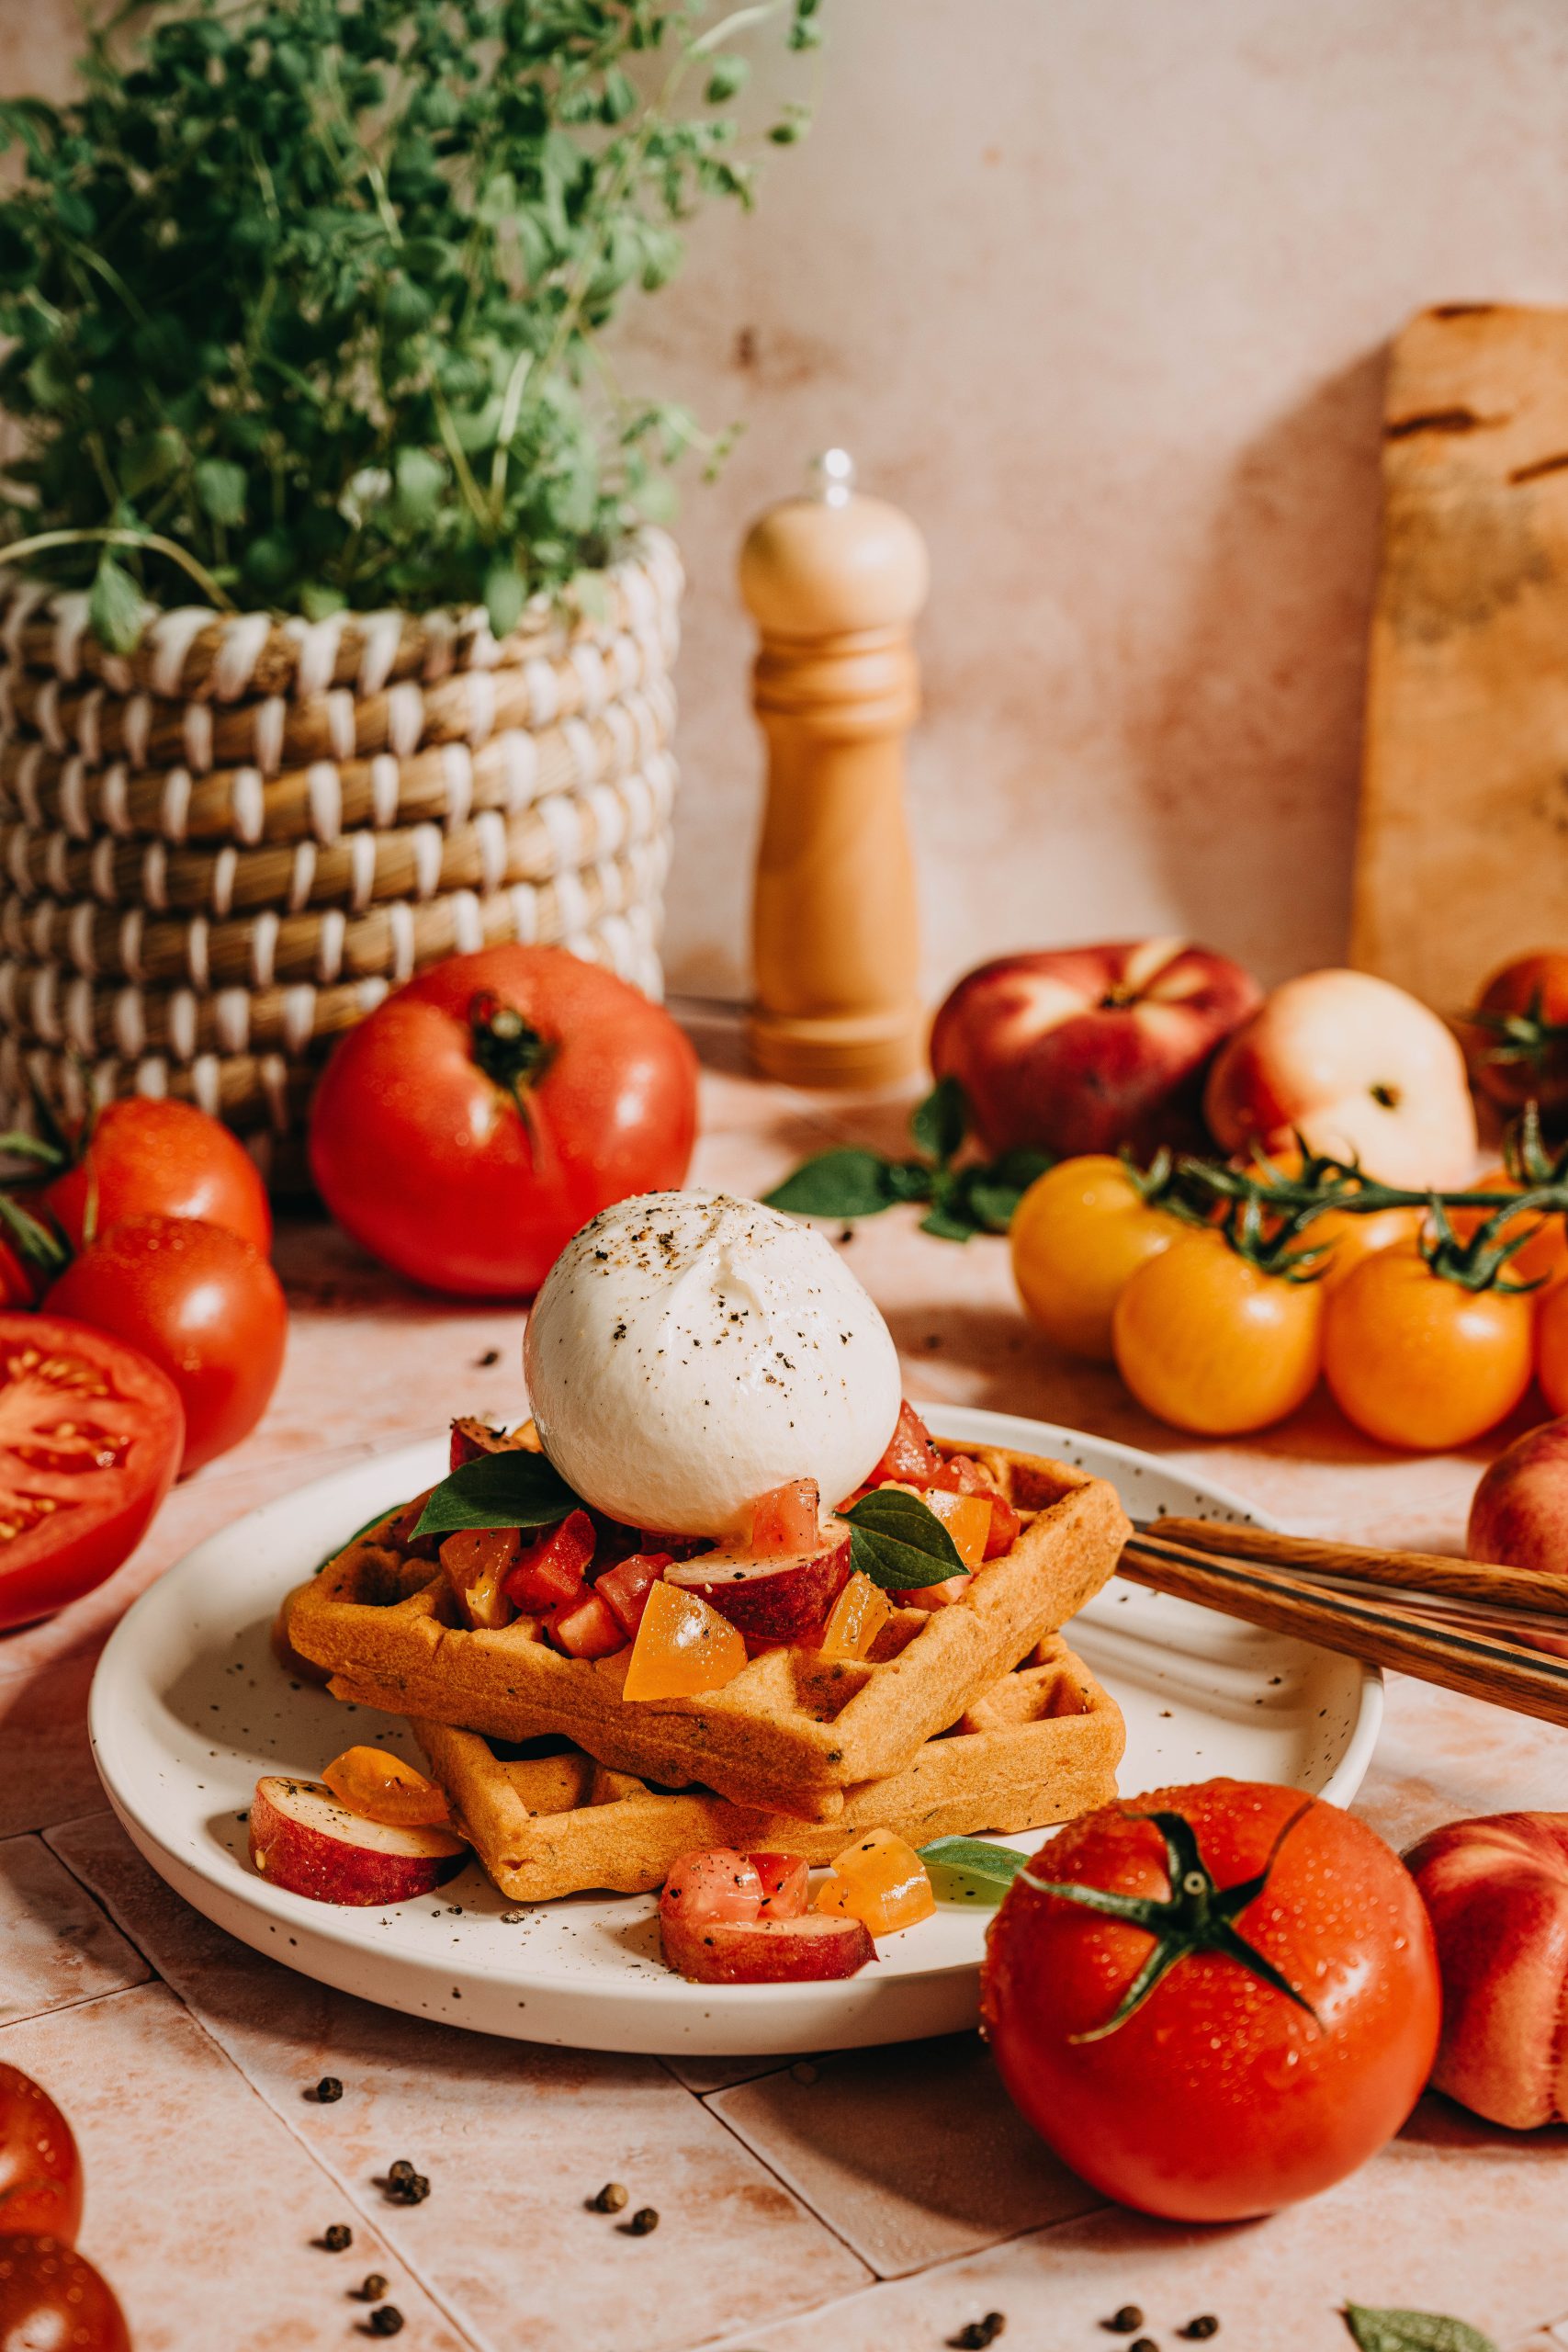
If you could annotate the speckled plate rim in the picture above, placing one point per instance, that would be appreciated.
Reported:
(927, 1982)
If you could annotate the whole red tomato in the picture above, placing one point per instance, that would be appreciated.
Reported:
(1253, 2015)
(40, 2172)
(481, 1116)
(1086, 1050)
(50, 2296)
(90, 1439)
(154, 1157)
(204, 1306)
(1516, 1040)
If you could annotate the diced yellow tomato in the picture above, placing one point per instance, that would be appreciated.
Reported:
(682, 1646)
(935, 1596)
(380, 1786)
(858, 1616)
(477, 1561)
(967, 1519)
(881, 1882)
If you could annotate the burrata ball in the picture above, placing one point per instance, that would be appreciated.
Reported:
(689, 1351)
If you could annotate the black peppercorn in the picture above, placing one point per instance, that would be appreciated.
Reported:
(387, 2320)
(1205, 2325)
(979, 2333)
(643, 2220)
(402, 2170)
(610, 2200)
(1145, 2344)
(372, 2288)
(337, 2238)
(328, 2090)
(1126, 2321)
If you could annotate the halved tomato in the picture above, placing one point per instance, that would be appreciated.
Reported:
(90, 1439)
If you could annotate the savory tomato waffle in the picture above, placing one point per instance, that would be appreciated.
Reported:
(1041, 1746)
(793, 1732)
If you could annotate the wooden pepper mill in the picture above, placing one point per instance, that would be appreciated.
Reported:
(834, 581)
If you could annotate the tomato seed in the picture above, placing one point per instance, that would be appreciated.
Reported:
(1126, 2321)
(372, 2288)
(611, 2197)
(385, 2320)
(643, 2220)
(328, 2090)
(1203, 2326)
(337, 2238)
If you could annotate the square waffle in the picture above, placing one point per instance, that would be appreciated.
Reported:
(1039, 1747)
(793, 1731)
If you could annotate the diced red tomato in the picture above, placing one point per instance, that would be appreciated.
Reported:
(550, 1572)
(786, 1885)
(471, 1438)
(910, 1452)
(963, 1476)
(627, 1585)
(717, 1884)
(785, 1518)
(586, 1627)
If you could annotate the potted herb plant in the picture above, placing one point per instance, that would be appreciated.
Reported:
(313, 435)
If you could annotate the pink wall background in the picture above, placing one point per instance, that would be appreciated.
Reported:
(1100, 290)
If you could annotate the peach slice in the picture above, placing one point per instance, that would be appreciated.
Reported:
(765, 1952)
(303, 1839)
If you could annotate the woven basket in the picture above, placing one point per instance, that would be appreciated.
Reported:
(220, 852)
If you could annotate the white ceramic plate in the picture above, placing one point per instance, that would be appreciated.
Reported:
(188, 1708)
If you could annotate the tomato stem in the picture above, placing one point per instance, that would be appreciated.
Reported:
(1196, 1916)
(513, 1054)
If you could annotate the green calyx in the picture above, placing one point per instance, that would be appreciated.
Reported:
(513, 1054)
(1274, 1245)
(1197, 1916)
(1481, 1263)
(1525, 1040)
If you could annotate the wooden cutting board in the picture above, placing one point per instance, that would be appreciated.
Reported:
(1463, 854)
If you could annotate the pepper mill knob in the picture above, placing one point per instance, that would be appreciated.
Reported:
(834, 581)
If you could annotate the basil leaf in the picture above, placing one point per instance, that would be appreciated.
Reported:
(940, 1122)
(969, 1870)
(950, 1224)
(1376, 2330)
(898, 1542)
(847, 1182)
(514, 1489)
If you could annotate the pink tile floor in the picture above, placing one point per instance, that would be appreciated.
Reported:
(872, 2202)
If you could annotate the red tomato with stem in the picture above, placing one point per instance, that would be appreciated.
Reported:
(40, 2171)
(151, 1156)
(202, 1303)
(90, 1439)
(50, 2295)
(1516, 1040)
(482, 1113)
(1253, 2015)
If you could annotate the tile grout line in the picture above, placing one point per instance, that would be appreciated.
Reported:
(462, 2327)
(804, 2202)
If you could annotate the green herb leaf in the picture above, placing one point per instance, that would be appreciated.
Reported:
(220, 486)
(512, 1490)
(1391, 2331)
(845, 1183)
(941, 1121)
(898, 1542)
(970, 1869)
(114, 607)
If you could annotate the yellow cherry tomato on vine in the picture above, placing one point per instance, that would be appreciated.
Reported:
(1214, 1343)
(1421, 1361)
(1347, 1238)
(1078, 1233)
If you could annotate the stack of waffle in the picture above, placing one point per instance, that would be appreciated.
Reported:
(219, 852)
(970, 1718)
